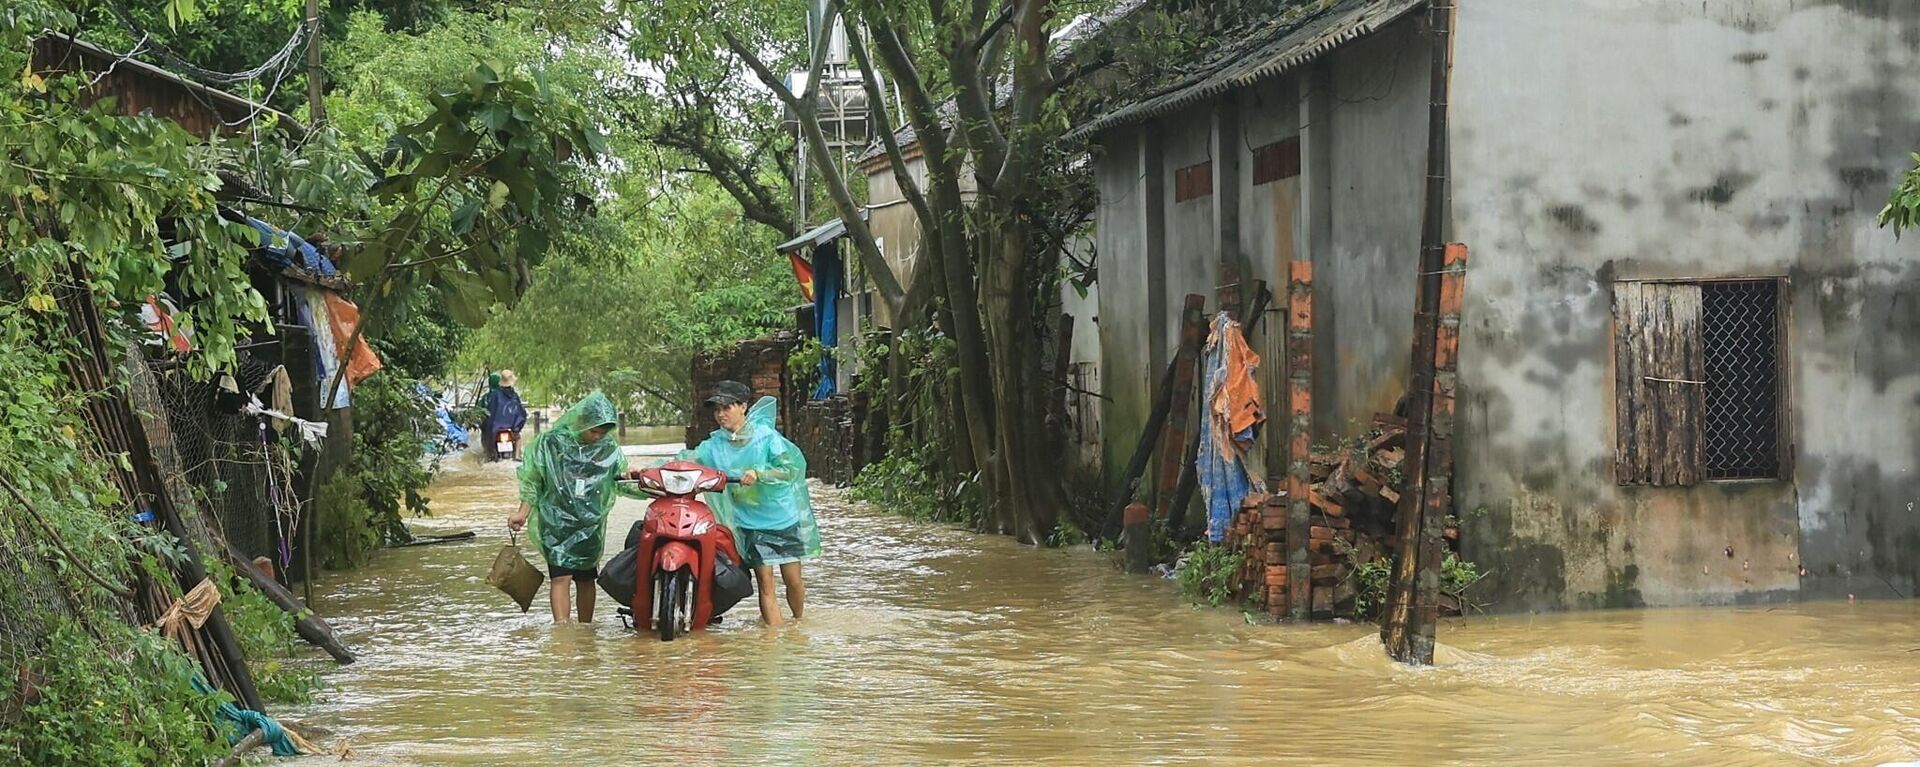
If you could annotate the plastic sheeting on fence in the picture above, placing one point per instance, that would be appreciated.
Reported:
(1234, 414)
(310, 310)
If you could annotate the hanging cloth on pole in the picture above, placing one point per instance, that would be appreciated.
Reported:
(310, 309)
(1234, 416)
(344, 318)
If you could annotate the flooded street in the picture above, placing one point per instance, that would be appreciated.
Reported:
(926, 645)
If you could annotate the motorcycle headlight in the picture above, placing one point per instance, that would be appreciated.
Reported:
(680, 482)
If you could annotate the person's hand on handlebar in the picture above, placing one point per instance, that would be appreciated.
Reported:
(749, 477)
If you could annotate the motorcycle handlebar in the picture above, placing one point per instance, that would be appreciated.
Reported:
(732, 479)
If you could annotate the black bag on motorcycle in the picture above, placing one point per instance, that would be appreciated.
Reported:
(621, 575)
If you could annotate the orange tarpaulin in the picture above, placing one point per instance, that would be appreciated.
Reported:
(1237, 404)
(344, 317)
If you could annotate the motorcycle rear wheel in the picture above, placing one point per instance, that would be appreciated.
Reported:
(673, 594)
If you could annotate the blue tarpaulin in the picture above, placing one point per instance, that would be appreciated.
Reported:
(453, 435)
(826, 298)
(284, 248)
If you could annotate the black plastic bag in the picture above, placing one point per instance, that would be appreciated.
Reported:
(731, 583)
(621, 574)
(618, 576)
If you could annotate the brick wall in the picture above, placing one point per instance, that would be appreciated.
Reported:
(835, 434)
(761, 364)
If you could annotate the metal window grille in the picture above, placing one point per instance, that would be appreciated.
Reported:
(1740, 331)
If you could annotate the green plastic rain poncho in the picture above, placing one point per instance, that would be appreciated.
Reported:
(571, 484)
(773, 518)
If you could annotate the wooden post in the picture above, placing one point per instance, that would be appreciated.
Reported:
(316, 75)
(253, 740)
(1173, 445)
(1138, 532)
(310, 626)
(1062, 360)
(1397, 628)
(1299, 435)
(1156, 420)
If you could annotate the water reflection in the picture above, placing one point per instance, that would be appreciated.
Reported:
(925, 645)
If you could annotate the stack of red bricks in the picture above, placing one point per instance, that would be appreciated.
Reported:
(1328, 540)
(1252, 532)
(1261, 530)
(1360, 482)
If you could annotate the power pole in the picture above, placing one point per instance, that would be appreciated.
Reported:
(316, 114)
(316, 106)
(1407, 629)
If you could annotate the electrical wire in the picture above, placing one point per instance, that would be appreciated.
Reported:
(275, 63)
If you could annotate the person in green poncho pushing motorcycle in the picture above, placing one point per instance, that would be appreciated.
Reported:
(570, 478)
(768, 509)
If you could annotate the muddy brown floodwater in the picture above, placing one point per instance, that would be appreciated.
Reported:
(927, 645)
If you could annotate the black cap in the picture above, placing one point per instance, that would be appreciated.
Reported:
(729, 393)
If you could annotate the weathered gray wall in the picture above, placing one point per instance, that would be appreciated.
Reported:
(1128, 272)
(1599, 140)
(1192, 241)
(1372, 142)
(1270, 236)
(1364, 278)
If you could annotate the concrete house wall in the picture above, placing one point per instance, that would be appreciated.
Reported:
(1596, 141)
(1592, 142)
(1353, 210)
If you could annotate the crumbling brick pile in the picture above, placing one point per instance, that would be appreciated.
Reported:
(1354, 498)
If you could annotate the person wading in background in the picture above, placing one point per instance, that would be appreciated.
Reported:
(503, 410)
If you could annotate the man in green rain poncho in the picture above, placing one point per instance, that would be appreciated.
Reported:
(570, 477)
(768, 509)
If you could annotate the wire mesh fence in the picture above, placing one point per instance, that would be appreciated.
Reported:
(233, 466)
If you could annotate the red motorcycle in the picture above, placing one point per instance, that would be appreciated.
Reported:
(680, 550)
(506, 445)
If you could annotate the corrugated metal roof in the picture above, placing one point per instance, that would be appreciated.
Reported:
(826, 232)
(140, 86)
(1269, 50)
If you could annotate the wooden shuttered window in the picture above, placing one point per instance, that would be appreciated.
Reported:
(1660, 372)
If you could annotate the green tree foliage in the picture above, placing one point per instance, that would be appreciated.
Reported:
(623, 307)
(1903, 206)
(112, 206)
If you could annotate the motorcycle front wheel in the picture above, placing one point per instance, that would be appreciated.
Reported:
(673, 595)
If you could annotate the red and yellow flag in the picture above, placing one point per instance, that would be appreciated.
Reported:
(803, 272)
